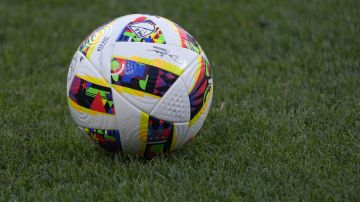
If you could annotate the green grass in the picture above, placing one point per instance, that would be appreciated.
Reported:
(284, 125)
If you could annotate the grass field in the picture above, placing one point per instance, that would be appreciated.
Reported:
(284, 125)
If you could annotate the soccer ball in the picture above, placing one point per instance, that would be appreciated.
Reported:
(139, 84)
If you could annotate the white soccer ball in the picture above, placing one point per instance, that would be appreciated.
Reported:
(139, 84)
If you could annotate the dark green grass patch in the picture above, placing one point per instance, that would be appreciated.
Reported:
(284, 125)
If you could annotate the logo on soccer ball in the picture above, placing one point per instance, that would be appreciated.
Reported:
(142, 29)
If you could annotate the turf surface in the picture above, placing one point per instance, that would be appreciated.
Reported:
(284, 125)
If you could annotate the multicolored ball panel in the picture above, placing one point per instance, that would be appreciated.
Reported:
(187, 41)
(107, 139)
(159, 137)
(142, 29)
(202, 86)
(141, 77)
(91, 96)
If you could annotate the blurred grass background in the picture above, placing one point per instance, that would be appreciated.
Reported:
(284, 125)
